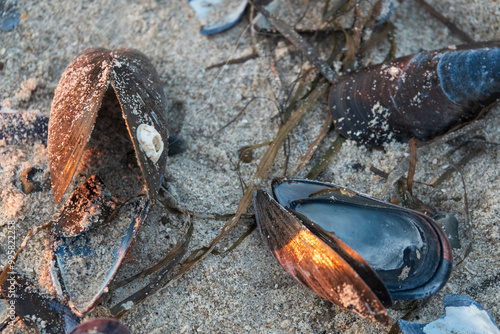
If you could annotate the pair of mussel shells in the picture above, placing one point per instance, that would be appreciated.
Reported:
(353, 250)
(83, 265)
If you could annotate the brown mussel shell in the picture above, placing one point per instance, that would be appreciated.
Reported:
(351, 249)
(331, 269)
(91, 236)
(78, 98)
(423, 95)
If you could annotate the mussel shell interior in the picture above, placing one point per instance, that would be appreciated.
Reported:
(404, 247)
(392, 241)
(86, 263)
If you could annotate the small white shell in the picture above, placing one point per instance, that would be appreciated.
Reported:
(150, 141)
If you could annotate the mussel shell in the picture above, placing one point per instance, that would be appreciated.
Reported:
(84, 264)
(9, 15)
(321, 261)
(100, 326)
(407, 249)
(42, 314)
(78, 98)
(422, 95)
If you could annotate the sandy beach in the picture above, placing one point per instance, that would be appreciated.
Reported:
(244, 290)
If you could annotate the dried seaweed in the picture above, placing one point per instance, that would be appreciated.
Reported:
(245, 153)
(413, 165)
(234, 61)
(296, 39)
(338, 10)
(160, 280)
(261, 174)
(315, 144)
(325, 159)
(245, 234)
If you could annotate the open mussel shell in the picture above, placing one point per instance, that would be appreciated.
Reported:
(358, 252)
(100, 326)
(423, 95)
(78, 98)
(85, 262)
(42, 314)
(407, 249)
(463, 316)
(321, 261)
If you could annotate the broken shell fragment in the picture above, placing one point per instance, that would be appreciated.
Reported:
(218, 15)
(150, 141)
(91, 204)
(78, 98)
(407, 254)
(87, 257)
(423, 95)
(463, 316)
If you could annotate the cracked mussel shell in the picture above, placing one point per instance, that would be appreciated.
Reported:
(353, 250)
(424, 95)
(78, 98)
(91, 236)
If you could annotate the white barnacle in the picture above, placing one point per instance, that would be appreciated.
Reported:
(150, 141)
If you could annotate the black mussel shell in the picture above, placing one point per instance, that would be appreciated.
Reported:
(42, 314)
(423, 95)
(357, 252)
(321, 261)
(88, 256)
(100, 326)
(407, 249)
(78, 98)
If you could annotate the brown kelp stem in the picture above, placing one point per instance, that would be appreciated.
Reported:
(325, 159)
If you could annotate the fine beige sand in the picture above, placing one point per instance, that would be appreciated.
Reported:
(245, 290)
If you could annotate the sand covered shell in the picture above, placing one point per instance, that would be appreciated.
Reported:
(78, 98)
(422, 95)
(42, 314)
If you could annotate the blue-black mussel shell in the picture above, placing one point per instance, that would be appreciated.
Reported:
(396, 252)
(423, 95)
